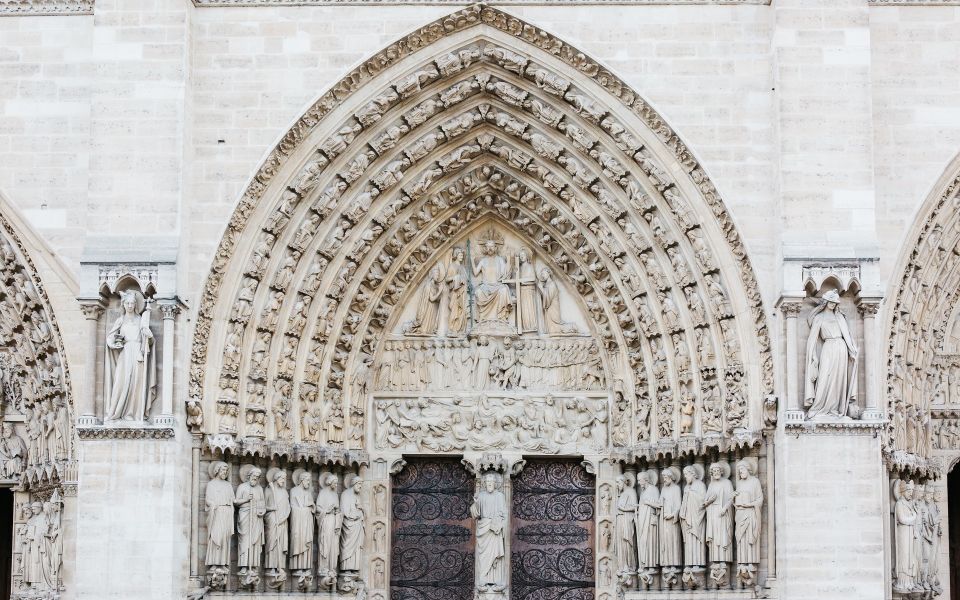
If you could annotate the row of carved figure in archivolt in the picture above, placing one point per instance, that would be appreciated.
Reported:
(489, 422)
(490, 363)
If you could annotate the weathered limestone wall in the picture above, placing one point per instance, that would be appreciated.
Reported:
(830, 517)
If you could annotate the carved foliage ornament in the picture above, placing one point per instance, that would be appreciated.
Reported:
(356, 242)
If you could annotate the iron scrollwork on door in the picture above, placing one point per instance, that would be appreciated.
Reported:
(552, 540)
(432, 532)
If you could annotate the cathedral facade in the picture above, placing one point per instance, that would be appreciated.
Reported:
(424, 300)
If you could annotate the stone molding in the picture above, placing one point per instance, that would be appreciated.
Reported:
(835, 427)
(145, 432)
(247, 3)
(14, 8)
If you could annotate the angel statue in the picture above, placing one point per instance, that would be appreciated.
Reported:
(131, 362)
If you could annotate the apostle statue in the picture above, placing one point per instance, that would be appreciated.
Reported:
(131, 369)
(906, 519)
(747, 501)
(718, 502)
(671, 555)
(693, 519)
(550, 299)
(54, 541)
(831, 359)
(625, 530)
(427, 319)
(33, 542)
(492, 295)
(456, 280)
(219, 509)
(648, 519)
(352, 531)
(252, 507)
(328, 529)
(489, 508)
(277, 520)
(302, 509)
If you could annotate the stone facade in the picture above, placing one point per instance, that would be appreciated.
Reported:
(666, 289)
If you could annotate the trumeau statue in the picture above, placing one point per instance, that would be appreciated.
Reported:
(219, 508)
(251, 507)
(131, 373)
(831, 359)
(329, 522)
(489, 508)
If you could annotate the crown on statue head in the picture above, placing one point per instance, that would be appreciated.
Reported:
(491, 235)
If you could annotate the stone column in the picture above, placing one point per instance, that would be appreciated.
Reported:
(794, 412)
(87, 409)
(871, 406)
(169, 311)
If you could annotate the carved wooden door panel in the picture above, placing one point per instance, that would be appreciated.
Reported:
(432, 532)
(551, 544)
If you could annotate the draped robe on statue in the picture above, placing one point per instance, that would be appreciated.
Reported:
(301, 528)
(719, 532)
(352, 531)
(131, 369)
(250, 525)
(490, 510)
(693, 520)
(527, 298)
(457, 284)
(670, 553)
(648, 544)
(748, 503)
(905, 568)
(278, 516)
(34, 555)
(626, 531)
(831, 380)
(328, 534)
(491, 294)
(219, 504)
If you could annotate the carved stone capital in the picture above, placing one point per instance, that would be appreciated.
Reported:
(169, 310)
(868, 309)
(92, 311)
(790, 309)
(397, 466)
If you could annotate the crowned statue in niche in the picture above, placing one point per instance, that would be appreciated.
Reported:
(831, 359)
(131, 366)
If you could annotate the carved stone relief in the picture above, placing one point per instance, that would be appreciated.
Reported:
(917, 533)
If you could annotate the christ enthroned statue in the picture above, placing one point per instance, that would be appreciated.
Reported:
(492, 297)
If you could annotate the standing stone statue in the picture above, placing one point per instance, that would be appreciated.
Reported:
(527, 293)
(277, 520)
(906, 519)
(13, 453)
(427, 319)
(219, 508)
(831, 359)
(456, 279)
(671, 555)
(252, 507)
(693, 520)
(302, 509)
(352, 532)
(550, 298)
(131, 371)
(489, 508)
(718, 502)
(328, 529)
(625, 548)
(747, 501)
(648, 518)
(54, 542)
(33, 542)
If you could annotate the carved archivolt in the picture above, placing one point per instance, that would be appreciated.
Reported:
(477, 121)
(922, 360)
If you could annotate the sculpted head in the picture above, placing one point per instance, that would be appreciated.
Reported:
(716, 472)
(280, 479)
(490, 482)
(128, 300)
(356, 484)
(253, 478)
(458, 254)
(907, 490)
(690, 474)
(7, 430)
(621, 483)
(489, 247)
(36, 508)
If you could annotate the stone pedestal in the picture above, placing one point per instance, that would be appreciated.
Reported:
(830, 516)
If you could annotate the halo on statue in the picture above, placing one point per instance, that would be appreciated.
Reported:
(653, 476)
(214, 468)
(298, 476)
(324, 478)
(139, 301)
(245, 471)
(750, 462)
(272, 474)
(674, 473)
(724, 468)
(697, 470)
(491, 235)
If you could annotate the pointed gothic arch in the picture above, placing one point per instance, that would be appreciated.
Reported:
(337, 223)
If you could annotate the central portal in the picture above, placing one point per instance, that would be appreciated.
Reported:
(552, 538)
